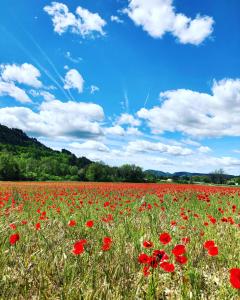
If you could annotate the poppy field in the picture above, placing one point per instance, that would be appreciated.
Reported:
(119, 241)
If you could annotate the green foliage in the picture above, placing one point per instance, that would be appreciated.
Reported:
(24, 158)
(126, 173)
(9, 169)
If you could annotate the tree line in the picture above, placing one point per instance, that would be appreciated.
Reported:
(40, 164)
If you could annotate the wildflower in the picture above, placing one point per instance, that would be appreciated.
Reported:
(107, 242)
(72, 223)
(165, 238)
(160, 255)
(179, 250)
(235, 278)
(143, 258)
(208, 244)
(78, 247)
(13, 226)
(146, 271)
(89, 223)
(213, 251)
(14, 238)
(147, 244)
(181, 259)
(168, 267)
(186, 240)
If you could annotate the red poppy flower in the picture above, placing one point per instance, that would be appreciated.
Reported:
(38, 226)
(165, 238)
(106, 247)
(14, 238)
(147, 244)
(213, 251)
(235, 278)
(146, 271)
(181, 259)
(72, 223)
(107, 240)
(186, 240)
(167, 267)
(208, 244)
(13, 226)
(143, 258)
(78, 247)
(160, 255)
(179, 250)
(89, 223)
(153, 262)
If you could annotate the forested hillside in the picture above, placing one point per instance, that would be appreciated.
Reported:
(25, 158)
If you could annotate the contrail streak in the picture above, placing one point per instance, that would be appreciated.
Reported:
(49, 61)
(146, 100)
(43, 69)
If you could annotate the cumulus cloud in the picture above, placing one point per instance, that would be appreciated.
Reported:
(23, 74)
(73, 80)
(115, 130)
(56, 118)
(198, 114)
(9, 89)
(127, 119)
(90, 145)
(146, 146)
(158, 17)
(133, 131)
(118, 130)
(204, 149)
(83, 22)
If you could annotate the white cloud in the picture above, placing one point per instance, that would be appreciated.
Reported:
(56, 118)
(73, 80)
(47, 96)
(115, 130)
(118, 130)
(23, 74)
(204, 149)
(191, 142)
(198, 114)
(158, 17)
(90, 145)
(9, 89)
(83, 23)
(192, 31)
(146, 146)
(133, 131)
(127, 119)
(94, 89)
(116, 19)
(90, 22)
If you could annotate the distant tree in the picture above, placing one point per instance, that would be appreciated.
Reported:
(97, 172)
(218, 176)
(150, 177)
(131, 173)
(9, 169)
(175, 178)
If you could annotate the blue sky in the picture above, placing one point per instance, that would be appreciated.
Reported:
(154, 82)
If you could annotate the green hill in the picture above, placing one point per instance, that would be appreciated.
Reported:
(25, 158)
